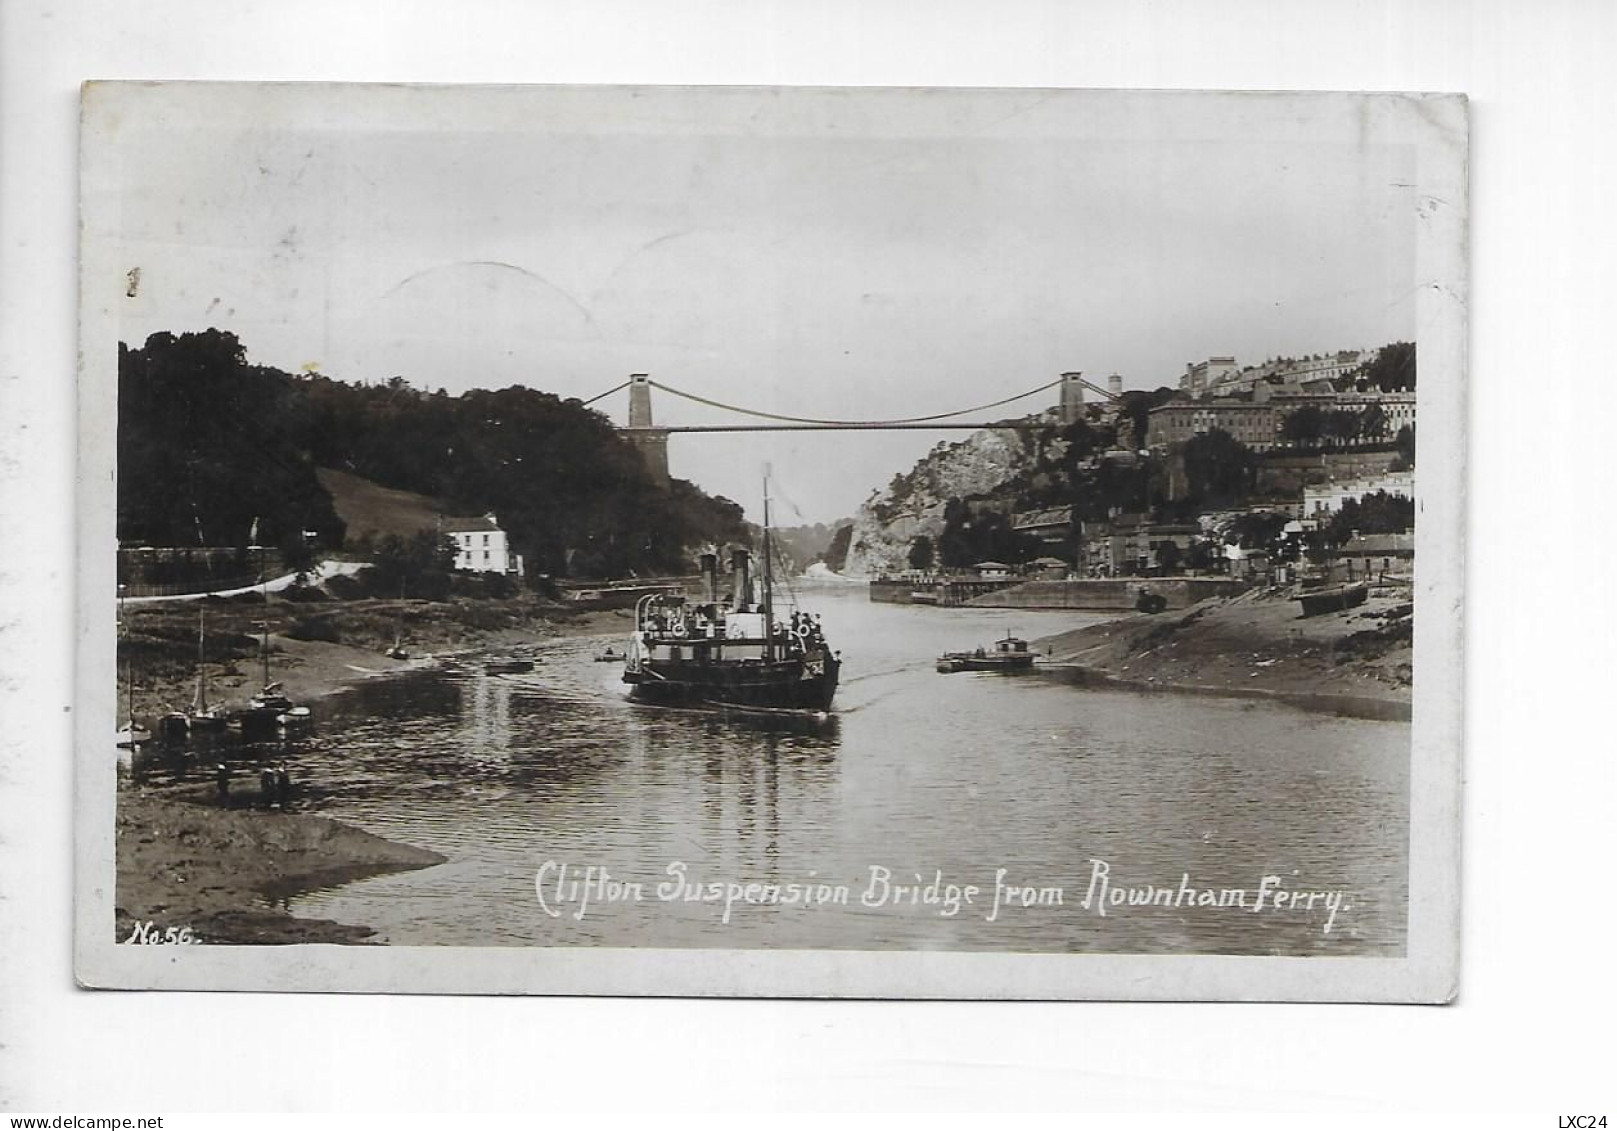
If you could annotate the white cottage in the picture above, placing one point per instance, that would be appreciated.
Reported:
(481, 546)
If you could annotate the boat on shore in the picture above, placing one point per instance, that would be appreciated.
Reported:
(173, 729)
(271, 712)
(131, 734)
(203, 718)
(507, 665)
(731, 651)
(1009, 655)
(1334, 599)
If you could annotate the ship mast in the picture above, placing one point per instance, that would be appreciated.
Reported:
(263, 580)
(769, 586)
(199, 703)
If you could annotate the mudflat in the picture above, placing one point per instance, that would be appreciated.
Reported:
(1358, 661)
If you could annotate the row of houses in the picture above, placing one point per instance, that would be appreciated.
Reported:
(1221, 377)
(1134, 544)
(1258, 419)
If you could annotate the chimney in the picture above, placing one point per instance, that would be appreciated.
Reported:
(1114, 385)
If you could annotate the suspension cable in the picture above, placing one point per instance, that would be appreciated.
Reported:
(811, 420)
(608, 393)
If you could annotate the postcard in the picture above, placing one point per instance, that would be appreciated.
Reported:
(812, 542)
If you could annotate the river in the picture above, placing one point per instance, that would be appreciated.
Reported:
(1085, 819)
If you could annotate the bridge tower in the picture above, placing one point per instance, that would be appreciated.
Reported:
(651, 442)
(1072, 397)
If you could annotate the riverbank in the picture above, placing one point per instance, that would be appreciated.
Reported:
(225, 874)
(1359, 661)
(317, 648)
(182, 860)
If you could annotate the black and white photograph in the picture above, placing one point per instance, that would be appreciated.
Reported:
(799, 521)
(850, 557)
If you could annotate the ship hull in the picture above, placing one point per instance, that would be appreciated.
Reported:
(789, 685)
(948, 664)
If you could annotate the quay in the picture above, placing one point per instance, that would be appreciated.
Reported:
(1102, 593)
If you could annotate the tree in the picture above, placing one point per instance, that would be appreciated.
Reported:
(836, 556)
(1342, 424)
(1379, 513)
(1257, 530)
(970, 537)
(921, 553)
(1168, 555)
(419, 565)
(1392, 370)
(1406, 445)
(1373, 423)
(1305, 426)
(1220, 469)
(207, 444)
(1136, 409)
(1202, 555)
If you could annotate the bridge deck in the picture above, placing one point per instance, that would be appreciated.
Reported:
(849, 427)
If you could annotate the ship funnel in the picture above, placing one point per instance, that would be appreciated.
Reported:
(740, 564)
(710, 577)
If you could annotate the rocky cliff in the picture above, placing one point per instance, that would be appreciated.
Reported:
(888, 522)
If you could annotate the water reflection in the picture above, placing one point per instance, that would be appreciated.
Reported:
(924, 775)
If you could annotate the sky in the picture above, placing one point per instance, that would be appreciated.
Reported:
(863, 254)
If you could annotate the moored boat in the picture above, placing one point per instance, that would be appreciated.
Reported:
(271, 711)
(131, 735)
(173, 728)
(509, 666)
(203, 718)
(1332, 600)
(1009, 655)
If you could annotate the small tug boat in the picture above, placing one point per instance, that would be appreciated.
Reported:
(1009, 655)
(610, 655)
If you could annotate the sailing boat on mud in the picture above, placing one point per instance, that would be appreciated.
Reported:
(397, 652)
(271, 710)
(131, 734)
(731, 652)
(204, 717)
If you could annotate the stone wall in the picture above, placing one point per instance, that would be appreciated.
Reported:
(1118, 593)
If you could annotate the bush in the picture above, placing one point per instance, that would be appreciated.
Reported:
(347, 587)
(314, 628)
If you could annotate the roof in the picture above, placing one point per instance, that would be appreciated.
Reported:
(991, 565)
(1047, 562)
(1050, 516)
(1381, 544)
(465, 525)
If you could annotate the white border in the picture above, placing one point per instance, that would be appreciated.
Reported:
(1538, 779)
(1434, 125)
